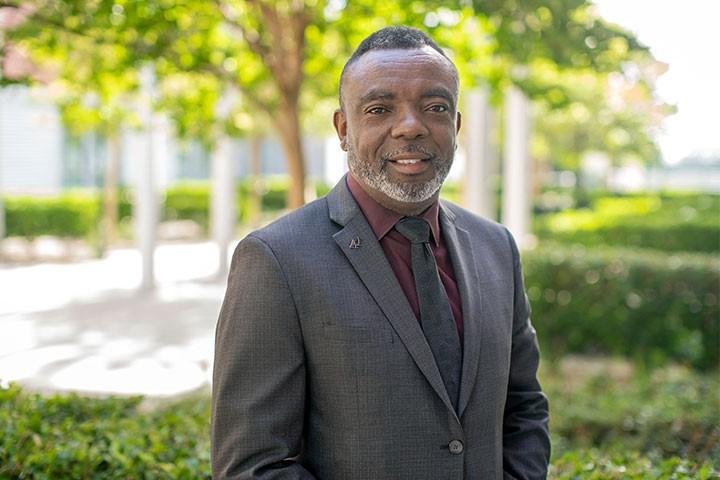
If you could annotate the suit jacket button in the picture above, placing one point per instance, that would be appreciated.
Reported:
(456, 447)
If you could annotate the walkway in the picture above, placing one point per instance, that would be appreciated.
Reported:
(84, 326)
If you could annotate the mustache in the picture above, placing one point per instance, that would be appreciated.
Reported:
(412, 148)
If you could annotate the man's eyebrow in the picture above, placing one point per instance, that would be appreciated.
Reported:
(373, 95)
(440, 92)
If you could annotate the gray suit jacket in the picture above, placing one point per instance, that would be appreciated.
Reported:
(322, 370)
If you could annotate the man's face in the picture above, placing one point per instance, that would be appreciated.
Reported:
(398, 125)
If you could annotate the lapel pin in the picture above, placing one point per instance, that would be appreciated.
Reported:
(355, 242)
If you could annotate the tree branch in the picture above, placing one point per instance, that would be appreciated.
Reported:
(253, 41)
(248, 94)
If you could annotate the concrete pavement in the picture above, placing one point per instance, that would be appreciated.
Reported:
(84, 326)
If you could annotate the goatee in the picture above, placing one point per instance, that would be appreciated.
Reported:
(406, 192)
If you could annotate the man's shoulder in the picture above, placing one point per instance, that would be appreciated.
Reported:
(298, 227)
(474, 223)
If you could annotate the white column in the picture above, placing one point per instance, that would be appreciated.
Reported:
(222, 202)
(3, 229)
(145, 211)
(517, 205)
(481, 161)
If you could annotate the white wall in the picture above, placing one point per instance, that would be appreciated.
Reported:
(30, 142)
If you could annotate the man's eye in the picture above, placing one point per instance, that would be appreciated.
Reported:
(377, 110)
(438, 108)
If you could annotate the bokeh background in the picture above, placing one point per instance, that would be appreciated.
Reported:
(139, 141)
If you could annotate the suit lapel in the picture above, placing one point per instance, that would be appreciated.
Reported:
(464, 265)
(357, 241)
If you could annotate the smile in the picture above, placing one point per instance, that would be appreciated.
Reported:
(408, 161)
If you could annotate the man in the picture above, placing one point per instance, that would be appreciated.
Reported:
(378, 333)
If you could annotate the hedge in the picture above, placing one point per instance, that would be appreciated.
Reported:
(187, 201)
(73, 214)
(593, 464)
(598, 430)
(68, 436)
(77, 214)
(672, 223)
(665, 222)
(668, 412)
(645, 305)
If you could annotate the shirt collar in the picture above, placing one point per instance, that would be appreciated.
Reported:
(382, 219)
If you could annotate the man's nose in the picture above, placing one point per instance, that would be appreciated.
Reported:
(409, 124)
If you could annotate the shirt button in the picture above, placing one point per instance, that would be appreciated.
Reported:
(456, 447)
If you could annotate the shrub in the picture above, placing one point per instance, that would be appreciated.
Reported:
(73, 214)
(191, 200)
(637, 424)
(669, 412)
(644, 305)
(85, 438)
(188, 201)
(669, 222)
(593, 464)
(76, 214)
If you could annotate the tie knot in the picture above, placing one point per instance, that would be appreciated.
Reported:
(415, 229)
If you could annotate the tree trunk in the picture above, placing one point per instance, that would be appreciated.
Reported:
(582, 196)
(110, 191)
(288, 127)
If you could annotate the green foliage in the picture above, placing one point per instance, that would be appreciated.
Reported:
(216, 65)
(669, 222)
(594, 464)
(73, 214)
(451, 191)
(604, 423)
(565, 32)
(581, 111)
(665, 413)
(86, 438)
(643, 305)
(188, 201)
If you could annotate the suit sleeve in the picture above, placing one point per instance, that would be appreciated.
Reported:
(258, 392)
(526, 438)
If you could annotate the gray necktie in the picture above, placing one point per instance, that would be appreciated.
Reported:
(435, 313)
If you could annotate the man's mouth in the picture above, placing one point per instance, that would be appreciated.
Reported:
(408, 161)
(410, 164)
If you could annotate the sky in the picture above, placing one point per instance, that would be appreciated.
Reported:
(685, 35)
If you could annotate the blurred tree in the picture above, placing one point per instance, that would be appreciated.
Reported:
(583, 111)
(568, 33)
(285, 56)
(100, 99)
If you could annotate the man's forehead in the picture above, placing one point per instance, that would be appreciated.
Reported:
(377, 64)
(381, 58)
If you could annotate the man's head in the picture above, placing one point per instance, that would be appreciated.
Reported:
(398, 117)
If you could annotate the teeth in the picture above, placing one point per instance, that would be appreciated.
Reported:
(409, 161)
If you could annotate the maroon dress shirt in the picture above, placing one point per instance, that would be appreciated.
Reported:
(397, 249)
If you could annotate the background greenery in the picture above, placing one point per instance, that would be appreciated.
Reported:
(242, 68)
(609, 420)
(646, 305)
(629, 335)
(76, 214)
(666, 221)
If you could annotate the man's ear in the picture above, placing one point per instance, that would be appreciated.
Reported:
(340, 123)
(458, 121)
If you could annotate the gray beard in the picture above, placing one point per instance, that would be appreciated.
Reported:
(400, 191)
